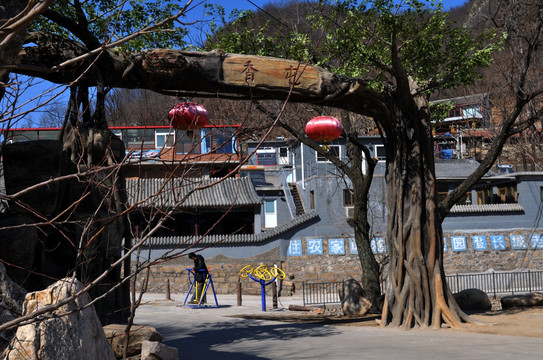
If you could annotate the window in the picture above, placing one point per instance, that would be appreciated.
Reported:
(471, 111)
(465, 200)
(541, 193)
(456, 112)
(379, 152)
(188, 142)
(206, 140)
(270, 206)
(48, 134)
(283, 156)
(164, 139)
(484, 196)
(221, 140)
(507, 194)
(139, 138)
(19, 136)
(332, 149)
(266, 156)
(348, 197)
(312, 195)
(218, 140)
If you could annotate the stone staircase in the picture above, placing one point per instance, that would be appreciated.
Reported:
(297, 198)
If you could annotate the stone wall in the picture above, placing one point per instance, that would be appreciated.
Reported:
(224, 271)
(328, 268)
(473, 261)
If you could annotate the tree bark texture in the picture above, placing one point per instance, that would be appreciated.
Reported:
(370, 267)
(417, 294)
(361, 183)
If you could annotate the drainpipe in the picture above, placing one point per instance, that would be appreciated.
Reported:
(303, 164)
(293, 163)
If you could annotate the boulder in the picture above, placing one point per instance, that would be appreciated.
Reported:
(115, 334)
(353, 298)
(522, 300)
(473, 300)
(153, 350)
(11, 304)
(70, 332)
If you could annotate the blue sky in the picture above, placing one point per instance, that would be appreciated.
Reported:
(196, 13)
(245, 4)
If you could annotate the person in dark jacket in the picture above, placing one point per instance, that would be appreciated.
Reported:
(200, 275)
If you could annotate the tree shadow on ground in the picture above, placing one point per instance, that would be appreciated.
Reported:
(361, 320)
(202, 342)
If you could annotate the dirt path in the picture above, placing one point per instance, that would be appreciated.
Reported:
(521, 322)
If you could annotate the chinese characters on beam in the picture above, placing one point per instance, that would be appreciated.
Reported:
(250, 72)
(245, 70)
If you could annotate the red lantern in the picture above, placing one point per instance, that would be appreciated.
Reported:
(323, 128)
(188, 115)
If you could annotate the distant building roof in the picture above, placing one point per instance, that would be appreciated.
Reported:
(486, 208)
(466, 99)
(457, 168)
(233, 239)
(521, 174)
(191, 192)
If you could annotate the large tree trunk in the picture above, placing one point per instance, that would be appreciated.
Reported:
(369, 265)
(417, 293)
(361, 183)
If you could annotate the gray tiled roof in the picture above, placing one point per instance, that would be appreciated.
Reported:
(486, 208)
(466, 99)
(241, 239)
(191, 192)
(457, 168)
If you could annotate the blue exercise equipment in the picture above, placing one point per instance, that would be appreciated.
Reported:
(263, 276)
(209, 281)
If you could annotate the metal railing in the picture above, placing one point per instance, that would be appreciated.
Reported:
(321, 293)
(492, 283)
(323, 168)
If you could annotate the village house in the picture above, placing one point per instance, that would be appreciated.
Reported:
(288, 206)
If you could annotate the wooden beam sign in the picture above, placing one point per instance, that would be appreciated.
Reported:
(250, 70)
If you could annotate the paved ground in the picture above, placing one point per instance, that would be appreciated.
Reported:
(216, 333)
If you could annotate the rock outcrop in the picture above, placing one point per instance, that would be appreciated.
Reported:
(11, 304)
(354, 300)
(152, 350)
(473, 300)
(522, 300)
(69, 332)
(115, 334)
